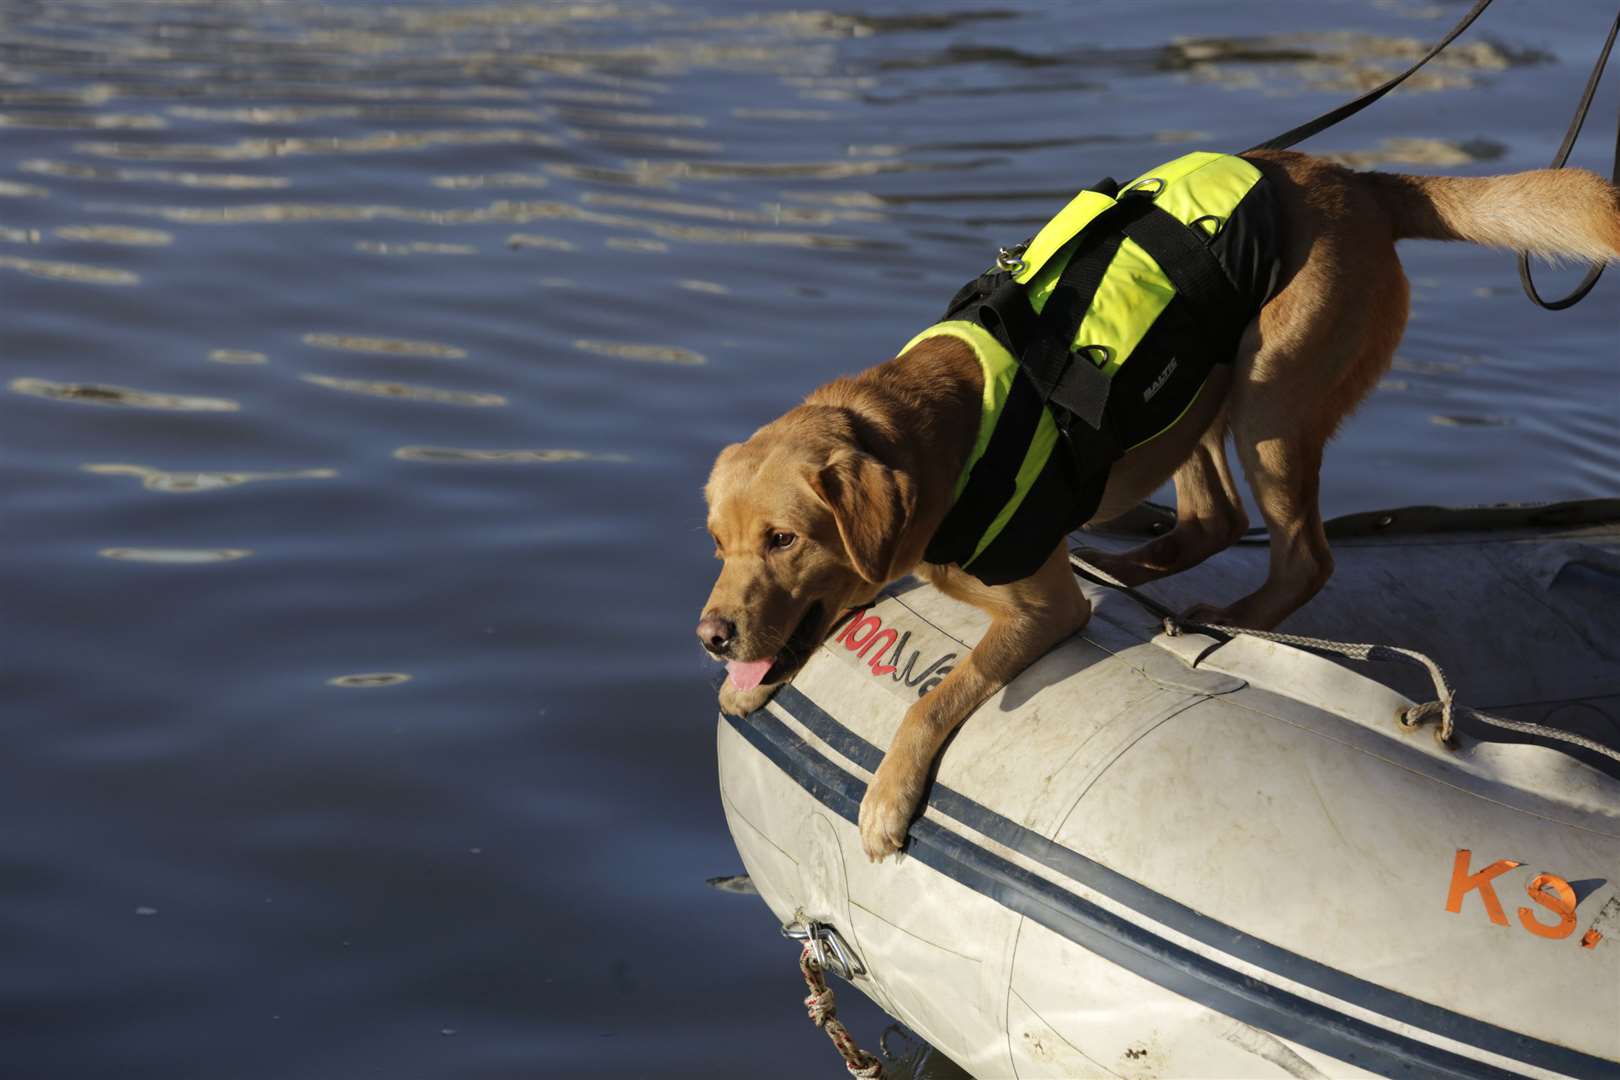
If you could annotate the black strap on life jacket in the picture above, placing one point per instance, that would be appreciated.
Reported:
(1068, 380)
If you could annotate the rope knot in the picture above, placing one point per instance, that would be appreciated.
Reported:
(821, 1006)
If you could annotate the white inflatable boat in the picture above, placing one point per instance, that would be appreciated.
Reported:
(1178, 856)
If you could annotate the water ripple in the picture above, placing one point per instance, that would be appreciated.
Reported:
(638, 244)
(585, 96)
(491, 180)
(82, 121)
(261, 115)
(227, 181)
(384, 346)
(67, 271)
(501, 211)
(261, 149)
(1438, 153)
(654, 354)
(94, 394)
(519, 241)
(369, 680)
(187, 483)
(116, 234)
(176, 556)
(452, 455)
(237, 356)
(1339, 61)
(406, 391)
(415, 247)
(625, 118)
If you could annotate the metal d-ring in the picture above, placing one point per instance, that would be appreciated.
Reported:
(827, 948)
(1097, 354)
(1011, 259)
(1141, 187)
(1215, 219)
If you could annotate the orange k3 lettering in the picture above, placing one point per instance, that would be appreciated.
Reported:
(1552, 894)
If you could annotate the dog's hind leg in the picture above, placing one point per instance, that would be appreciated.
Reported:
(1287, 399)
(1284, 475)
(1318, 347)
(1209, 518)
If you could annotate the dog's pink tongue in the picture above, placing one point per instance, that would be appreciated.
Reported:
(749, 675)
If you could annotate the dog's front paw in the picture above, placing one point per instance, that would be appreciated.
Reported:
(886, 813)
(742, 702)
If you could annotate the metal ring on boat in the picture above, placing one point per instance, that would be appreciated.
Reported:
(827, 947)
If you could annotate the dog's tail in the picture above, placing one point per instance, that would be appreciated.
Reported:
(1554, 213)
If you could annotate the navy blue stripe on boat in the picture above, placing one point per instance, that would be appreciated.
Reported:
(1212, 932)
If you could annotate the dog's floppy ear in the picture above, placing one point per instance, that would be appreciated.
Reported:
(872, 505)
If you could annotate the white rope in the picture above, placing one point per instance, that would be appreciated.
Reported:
(1445, 698)
(1445, 705)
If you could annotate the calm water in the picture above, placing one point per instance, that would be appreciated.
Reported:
(362, 365)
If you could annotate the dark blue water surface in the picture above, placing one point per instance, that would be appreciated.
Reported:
(363, 362)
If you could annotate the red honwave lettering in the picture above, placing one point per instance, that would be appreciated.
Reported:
(1560, 901)
(888, 637)
(869, 624)
(1462, 882)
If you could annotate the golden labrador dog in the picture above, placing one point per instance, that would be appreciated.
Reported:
(821, 508)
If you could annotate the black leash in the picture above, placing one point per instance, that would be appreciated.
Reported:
(1350, 108)
(1558, 161)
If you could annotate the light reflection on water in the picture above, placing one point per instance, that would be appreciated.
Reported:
(624, 234)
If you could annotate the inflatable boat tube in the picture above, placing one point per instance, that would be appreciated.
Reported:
(1156, 855)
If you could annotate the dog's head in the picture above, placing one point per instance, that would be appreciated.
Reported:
(807, 523)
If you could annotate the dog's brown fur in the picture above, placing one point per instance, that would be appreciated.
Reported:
(862, 473)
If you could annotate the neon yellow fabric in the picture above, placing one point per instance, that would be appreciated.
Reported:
(1134, 291)
(1132, 295)
(999, 367)
(1222, 182)
(1059, 231)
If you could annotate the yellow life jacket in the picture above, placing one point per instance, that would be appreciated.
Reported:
(1094, 337)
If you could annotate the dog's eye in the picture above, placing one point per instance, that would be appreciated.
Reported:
(780, 540)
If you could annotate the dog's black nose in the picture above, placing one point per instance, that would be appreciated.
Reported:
(716, 633)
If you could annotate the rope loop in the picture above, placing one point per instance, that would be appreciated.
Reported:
(1445, 705)
(1417, 715)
